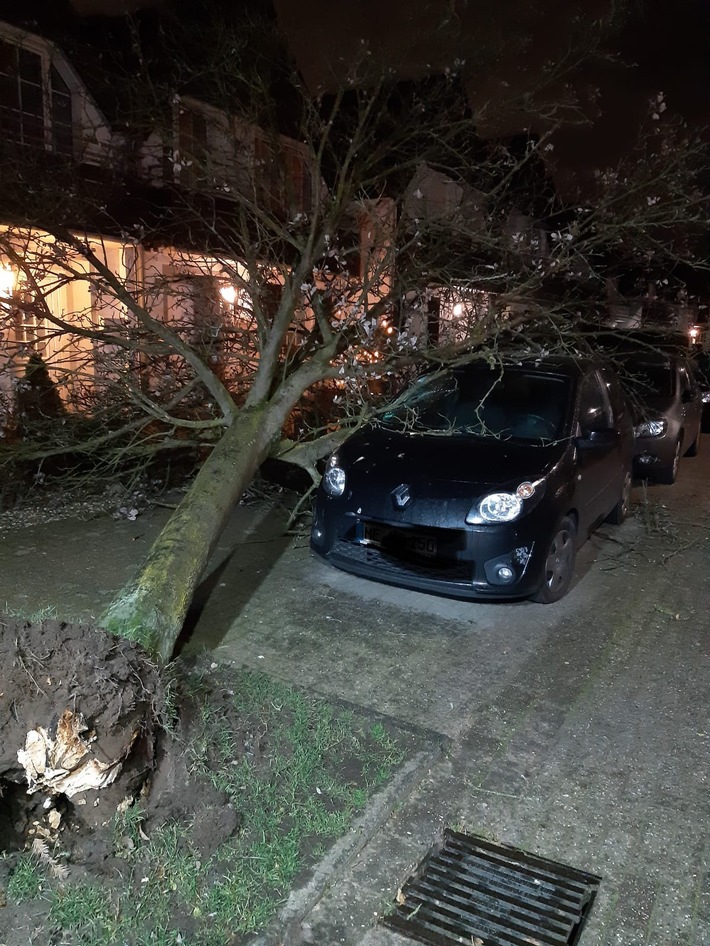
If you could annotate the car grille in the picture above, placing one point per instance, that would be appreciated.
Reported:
(388, 564)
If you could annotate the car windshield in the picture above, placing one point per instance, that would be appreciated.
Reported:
(510, 403)
(649, 379)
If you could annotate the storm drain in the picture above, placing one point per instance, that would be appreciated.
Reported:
(470, 891)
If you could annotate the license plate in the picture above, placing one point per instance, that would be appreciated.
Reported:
(380, 536)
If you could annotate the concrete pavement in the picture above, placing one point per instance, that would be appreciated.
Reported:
(579, 731)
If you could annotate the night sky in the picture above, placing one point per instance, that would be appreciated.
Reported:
(654, 45)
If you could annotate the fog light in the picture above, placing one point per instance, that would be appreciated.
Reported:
(504, 573)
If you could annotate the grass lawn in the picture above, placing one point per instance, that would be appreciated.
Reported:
(255, 782)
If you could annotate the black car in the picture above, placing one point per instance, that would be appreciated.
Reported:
(482, 481)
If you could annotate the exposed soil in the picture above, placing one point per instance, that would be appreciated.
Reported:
(50, 668)
(50, 672)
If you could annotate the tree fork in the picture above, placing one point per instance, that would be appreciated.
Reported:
(151, 607)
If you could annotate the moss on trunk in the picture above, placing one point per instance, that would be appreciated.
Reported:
(151, 608)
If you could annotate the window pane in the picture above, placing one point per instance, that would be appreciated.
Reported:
(9, 92)
(31, 98)
(8, 58)
(10, 124)
(30, 67)
(61, 110)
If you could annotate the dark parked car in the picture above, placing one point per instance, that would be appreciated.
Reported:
(667, 405)
(482, 481)
(702, 374)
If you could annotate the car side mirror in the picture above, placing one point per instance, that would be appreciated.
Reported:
(597, 437)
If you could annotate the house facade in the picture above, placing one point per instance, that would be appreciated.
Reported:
(56, 303)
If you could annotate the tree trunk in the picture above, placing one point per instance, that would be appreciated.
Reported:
(151, 608)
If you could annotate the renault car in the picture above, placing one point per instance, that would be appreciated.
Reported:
(481, 481)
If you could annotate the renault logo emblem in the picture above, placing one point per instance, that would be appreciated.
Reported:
(401, 496)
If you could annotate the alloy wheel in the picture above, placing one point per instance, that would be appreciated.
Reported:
(560, 560)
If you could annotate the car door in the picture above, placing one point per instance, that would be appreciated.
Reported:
(600, 465)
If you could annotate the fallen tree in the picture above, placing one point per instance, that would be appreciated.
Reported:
(336, 240)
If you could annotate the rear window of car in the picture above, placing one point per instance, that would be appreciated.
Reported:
(487, 402)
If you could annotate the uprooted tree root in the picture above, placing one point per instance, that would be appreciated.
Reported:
(79, 734)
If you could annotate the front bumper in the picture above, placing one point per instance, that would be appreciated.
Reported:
(477, 562)
(652, 454)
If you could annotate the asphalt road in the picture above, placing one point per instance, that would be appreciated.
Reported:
(579, 731)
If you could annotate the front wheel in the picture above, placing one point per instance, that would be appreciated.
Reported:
(559, 563)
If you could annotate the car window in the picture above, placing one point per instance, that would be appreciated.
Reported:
(510, 403)
(594, 405)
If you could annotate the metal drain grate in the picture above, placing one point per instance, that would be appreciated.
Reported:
(470, 891)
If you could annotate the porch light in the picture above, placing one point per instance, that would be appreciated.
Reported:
(458, 308)
(8, 281)
(228, 294)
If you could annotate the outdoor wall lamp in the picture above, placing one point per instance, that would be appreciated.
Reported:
(228, 294)
(8, 281)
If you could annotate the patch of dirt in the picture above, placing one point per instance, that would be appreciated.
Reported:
(52, 669)
(63, 683)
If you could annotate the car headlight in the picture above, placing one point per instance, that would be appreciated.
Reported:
(706, 397)
(500, 507)
(334, 477)
(651, 428)
(505, 506)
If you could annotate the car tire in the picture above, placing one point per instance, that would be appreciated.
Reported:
(558, 568)
(669, 473)
(620, 512)
(695, 446)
